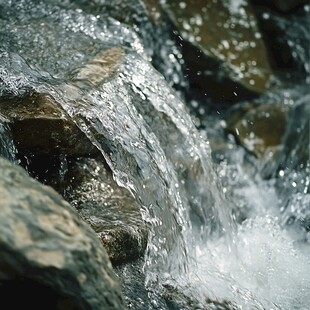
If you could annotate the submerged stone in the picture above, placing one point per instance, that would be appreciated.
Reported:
(46, 249)
(222, 45)
(258, 129)
(110, 210)
(297, 138)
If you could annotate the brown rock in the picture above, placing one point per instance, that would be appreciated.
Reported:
(39, 123)
(258, 128)
(109, 209)
(221, 40)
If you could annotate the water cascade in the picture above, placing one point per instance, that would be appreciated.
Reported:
(148, 138)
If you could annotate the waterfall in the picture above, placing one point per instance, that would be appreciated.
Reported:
(148, 138)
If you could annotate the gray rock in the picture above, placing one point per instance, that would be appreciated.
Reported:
(48, 255)
(109, 209)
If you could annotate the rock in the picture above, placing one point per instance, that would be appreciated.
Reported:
(101, 68)
(288, 5)
(177, 299)
(133, 12)
(7, 147)
(287, 40)
(258, 128)
(132, 279)
(109, 209)
(39, 123)
(221, 46)
(49, 258)
(297, 138)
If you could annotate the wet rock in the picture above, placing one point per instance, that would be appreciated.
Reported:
(221, 46)
(7, 147)
(40, 125)
(297, 138)
(258, 128)
(132, 279)
(177, 300)
(109, 209)
(133, 12)
(287, 38)
(49, 257)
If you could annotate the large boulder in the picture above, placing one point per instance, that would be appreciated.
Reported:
(49, 258)
(222, 45)
(40, 124)
(110, 210)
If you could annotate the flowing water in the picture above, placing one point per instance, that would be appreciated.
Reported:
(147, 137)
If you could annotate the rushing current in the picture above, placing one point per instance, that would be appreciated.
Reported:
(147, 136)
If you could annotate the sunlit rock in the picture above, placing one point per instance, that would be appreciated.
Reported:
(221, 46)
(109, 209)
(49, 257)
(260, 129)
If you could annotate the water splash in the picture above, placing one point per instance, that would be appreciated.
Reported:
(151, 144)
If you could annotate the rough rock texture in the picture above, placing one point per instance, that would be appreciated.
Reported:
(109, 209)
(48, 255)
(258, 128)
(221, 36)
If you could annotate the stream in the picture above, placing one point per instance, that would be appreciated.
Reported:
(223, 224)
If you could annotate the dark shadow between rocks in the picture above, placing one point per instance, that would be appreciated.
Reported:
(32, 295)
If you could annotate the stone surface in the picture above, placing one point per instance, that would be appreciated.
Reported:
(258, 128)
(7, 147)
(40, 125)
(287, 5)
(109, 209)
(222, 45)
(297, 138)
(49, 257)
(287, 40)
